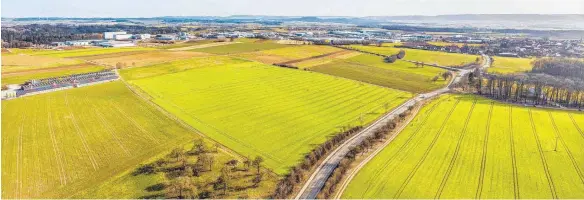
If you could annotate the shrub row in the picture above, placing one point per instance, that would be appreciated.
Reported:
(379, 135)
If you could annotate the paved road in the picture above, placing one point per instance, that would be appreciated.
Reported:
(317, 180)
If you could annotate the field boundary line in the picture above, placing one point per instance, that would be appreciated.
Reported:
(354, 172)
(80, 134)
(513, 156)
(456, 151)
(484, 157)
(170, 116)
(425, 155)
(418, 128)
(542, 156)
(557, 133)
(576, 125)
(58, 155)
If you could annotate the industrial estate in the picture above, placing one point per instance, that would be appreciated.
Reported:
(290, 108)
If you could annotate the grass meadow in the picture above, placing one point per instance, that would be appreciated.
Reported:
(57, 144)
(262, 110)
(467, 147)
(243, 47)
(428, 57)
(144, 58)
(287, 54)
(507, 65)
(371, 69)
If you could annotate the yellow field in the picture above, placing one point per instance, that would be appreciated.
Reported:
(56, 144)
(507, 65)
(22, 62)
(469, 147)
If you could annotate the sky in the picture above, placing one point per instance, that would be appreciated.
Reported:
(153, 8)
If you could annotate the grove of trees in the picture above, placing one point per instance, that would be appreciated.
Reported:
(557, 82)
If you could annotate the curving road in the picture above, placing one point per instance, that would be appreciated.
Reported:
(317, 180)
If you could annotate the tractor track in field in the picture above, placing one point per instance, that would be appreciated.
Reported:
(542, 156)
(425, 155)
(19, 161)
(81, 135)
(56, 150)
(559, 137)
(576, 125)
(108, 128)
(136, 124)
(516, 193)
(456, 151)
(418, 128)
(378, 95)
(484, 156)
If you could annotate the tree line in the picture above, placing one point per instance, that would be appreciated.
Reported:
(297, 174)
(557, 82)
(29, 35)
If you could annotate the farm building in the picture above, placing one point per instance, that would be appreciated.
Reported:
(64, 82)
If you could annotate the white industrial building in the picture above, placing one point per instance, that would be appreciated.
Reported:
(123, 36)
(78, 43)
(143, 36)
(110, 35)
(116, 44)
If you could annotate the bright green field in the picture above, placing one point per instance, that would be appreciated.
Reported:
(57, 144)
(241, 48)
(388, 51)
(86, 52)
(440, 58)
(261, 110)
(467, 147)
(177, 66)
(506, 65)
(371, 69)
(428, 57)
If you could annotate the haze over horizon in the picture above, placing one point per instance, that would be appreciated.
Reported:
(137, 8)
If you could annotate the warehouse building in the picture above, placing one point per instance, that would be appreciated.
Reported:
(110, 35)
(123, 36)
(116, 44)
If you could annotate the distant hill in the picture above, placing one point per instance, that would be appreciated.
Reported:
(490, 17)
